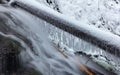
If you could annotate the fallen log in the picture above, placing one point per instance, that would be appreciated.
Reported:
(104, 40)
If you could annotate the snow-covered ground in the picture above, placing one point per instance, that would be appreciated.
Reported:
(103, 14)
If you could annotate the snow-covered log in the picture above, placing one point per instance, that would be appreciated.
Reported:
(105, 40)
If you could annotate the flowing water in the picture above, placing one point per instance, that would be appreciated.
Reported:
(36, 50)
(71, 44)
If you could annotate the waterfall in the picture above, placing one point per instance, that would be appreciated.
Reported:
(37, 51)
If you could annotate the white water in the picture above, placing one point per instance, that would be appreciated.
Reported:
(37, 51)
(87, 12)
(40, 53)
(70, 44)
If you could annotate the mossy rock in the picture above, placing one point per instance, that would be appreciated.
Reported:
(105, 65)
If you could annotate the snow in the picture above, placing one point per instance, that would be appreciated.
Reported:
(90, 15)
(103, 14)
(91, 11)
(65, 20)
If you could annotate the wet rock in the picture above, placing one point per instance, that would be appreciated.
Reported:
(4, 1)
(9, 53)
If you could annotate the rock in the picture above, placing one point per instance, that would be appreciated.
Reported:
(9, 51)
(4, 1)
